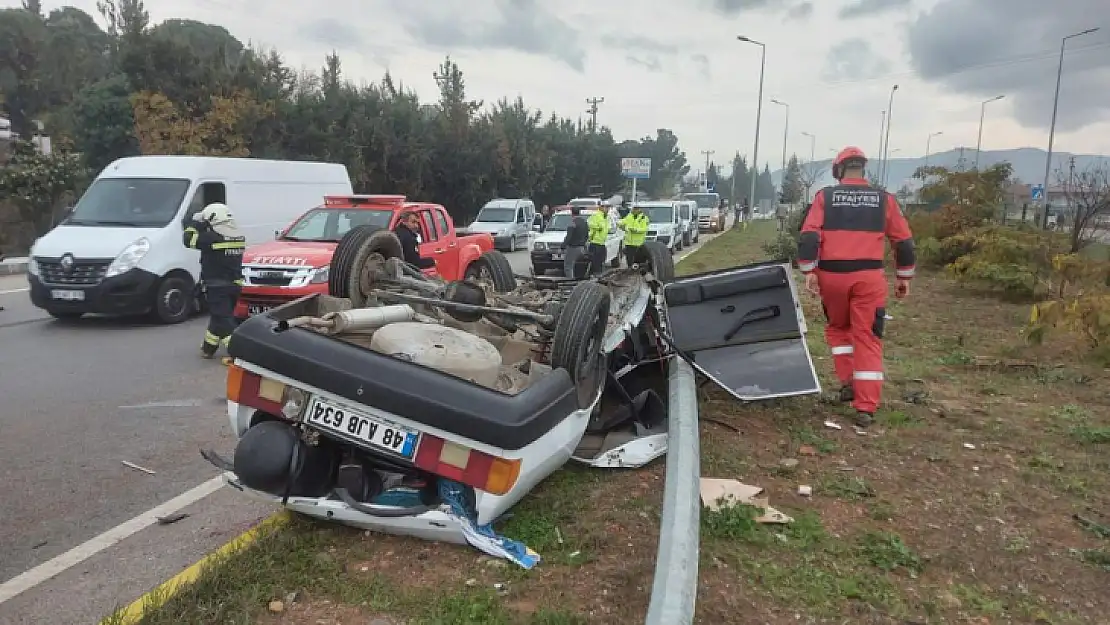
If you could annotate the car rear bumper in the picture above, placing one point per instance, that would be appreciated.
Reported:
(129, 293)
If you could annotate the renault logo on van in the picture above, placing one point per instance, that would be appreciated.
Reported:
(67, 263)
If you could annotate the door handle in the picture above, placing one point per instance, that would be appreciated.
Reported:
(440, 251)
(453, 244)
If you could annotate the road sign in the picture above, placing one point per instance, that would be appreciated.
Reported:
(1038, 191)
(711, 187)
(636, 168)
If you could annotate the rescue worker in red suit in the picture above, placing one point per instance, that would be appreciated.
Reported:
(841, 253)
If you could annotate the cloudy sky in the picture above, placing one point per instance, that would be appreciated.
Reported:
(677, 63)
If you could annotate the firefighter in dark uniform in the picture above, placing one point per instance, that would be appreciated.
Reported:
(213, 232)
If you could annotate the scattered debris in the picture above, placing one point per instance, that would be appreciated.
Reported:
(859, 431)
(724, 424)
(807, 450)
(716, 493)
(1098, 529)
(969, 446)
(805, 491)
(42, 544)
(132, 465)
(277, 607)
(833, 425)
(171, 518)
(788, 463)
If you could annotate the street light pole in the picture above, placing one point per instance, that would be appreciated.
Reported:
(812, 158)
(928, 145)
(1052, 128)
(886, 142)
(785, 135)
(879, 154)
(983, 112)
(754, 169)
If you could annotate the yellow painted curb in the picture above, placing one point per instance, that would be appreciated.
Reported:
(161, 594)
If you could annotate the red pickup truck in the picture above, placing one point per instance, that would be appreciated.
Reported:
(297, 262)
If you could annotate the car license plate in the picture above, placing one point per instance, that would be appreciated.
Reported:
(558, 256)
(257, 309)
(68, 296)
(355, 424)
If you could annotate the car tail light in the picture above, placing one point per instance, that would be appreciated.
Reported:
(471, 467)
(262, 393)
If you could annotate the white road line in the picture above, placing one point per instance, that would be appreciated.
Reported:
(15, 291)
(47, 570)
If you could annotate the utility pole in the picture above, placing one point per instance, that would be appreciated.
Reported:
(593, 102)
(707, 154)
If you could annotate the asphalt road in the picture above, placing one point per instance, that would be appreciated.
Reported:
(77, 399)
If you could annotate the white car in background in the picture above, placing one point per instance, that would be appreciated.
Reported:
(548, 252)
(664, 223)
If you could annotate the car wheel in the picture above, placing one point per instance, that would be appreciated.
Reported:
(492, 267)
(65, 315)
(342, 260)
(579, 334)
(174, 300)
(361, 266)
(616, 262)
(512, 243)
(660, 261)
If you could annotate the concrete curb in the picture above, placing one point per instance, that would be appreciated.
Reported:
(13, 266)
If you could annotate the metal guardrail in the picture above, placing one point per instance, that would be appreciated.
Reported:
(675, 589)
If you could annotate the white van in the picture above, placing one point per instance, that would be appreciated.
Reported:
(688, 222)
(508, 221)
(120, 250)
(664, 223)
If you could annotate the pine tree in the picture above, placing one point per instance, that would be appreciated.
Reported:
(793, 187)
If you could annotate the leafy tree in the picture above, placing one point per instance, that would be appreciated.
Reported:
(104, 122)
(793, 187)
(37, 183)
(22, 77)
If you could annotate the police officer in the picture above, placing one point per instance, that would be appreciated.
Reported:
(598, 226)
(841, 252)
(213, 232)
(635, 225)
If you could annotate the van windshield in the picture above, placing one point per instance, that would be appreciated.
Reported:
(330, 224)
(705, 200)
(659, 214)
(496, 214)
(130, 202)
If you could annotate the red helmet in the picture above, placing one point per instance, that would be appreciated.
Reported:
(848, 154)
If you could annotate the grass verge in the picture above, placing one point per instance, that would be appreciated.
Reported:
(979, 495)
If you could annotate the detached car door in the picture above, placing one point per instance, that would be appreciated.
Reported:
(743, 328)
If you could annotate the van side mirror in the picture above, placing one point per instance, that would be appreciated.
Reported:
(277, 234)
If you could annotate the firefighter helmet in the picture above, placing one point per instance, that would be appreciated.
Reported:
(850, 154)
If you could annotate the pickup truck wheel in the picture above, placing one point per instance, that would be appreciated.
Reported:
(660, 259)
(342, 261)
(579, 334)
(492, 267)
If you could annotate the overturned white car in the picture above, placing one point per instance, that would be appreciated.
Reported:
(413, 406)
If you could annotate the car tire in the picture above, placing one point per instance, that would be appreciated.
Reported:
(355, 266)
(494, 267)
(174, 300)
(512, 243)
(579, 335)
(660, 261)
(343, 258)
(65, 315)
(616, 262)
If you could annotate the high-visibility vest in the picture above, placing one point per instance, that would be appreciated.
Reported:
(635, 229)
(599, 228)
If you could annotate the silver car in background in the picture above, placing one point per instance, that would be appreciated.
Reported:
(509, 221)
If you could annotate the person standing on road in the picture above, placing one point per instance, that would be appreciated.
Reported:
(841, 252)
(598, 227)
(213, 232)
(574, 243)
(635, 225)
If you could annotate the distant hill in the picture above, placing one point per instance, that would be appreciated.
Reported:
(1028, 164)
